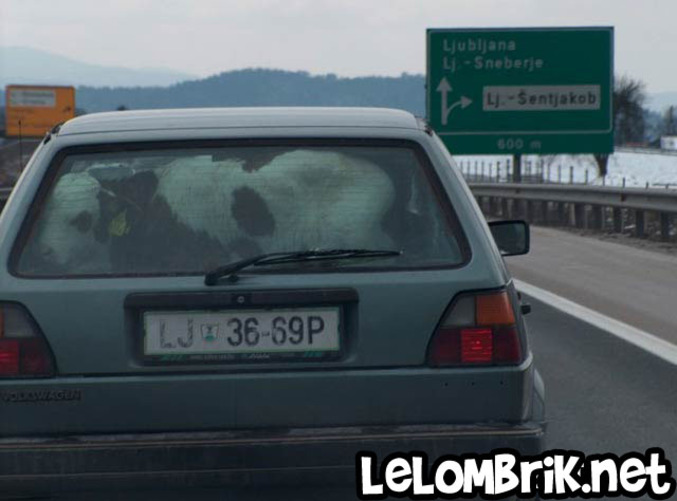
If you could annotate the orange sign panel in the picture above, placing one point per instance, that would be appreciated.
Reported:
(32, 110)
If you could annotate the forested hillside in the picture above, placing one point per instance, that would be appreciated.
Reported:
(261, 87)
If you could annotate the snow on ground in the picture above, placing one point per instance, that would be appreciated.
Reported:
(638, 168)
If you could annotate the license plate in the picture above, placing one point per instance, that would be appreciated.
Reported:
(237, 334)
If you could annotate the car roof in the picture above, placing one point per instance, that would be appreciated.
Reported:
(215, 118)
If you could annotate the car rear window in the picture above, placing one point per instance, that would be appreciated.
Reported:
(186, 210)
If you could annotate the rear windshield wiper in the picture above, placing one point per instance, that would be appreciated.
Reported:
(230, 270)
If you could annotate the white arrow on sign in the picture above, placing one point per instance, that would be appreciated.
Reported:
(444, 88)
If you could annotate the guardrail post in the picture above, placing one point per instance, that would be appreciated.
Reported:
(639, 223)
(517, 169)
(505, 208)
(545, 217)
(571, 174)
(529, 210)
(579, 212)
(618, 220)
(561, 214)
(559, 174)
(665, 226)
(492, 205)
(498, 172)
(597, 217)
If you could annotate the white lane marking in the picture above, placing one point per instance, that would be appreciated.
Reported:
(647, 342)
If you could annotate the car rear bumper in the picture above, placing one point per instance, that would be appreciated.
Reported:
(143, 461)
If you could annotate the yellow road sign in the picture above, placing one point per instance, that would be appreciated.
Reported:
(32, 110)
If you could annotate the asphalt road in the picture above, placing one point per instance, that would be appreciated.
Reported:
(603, 394)
(632, 285)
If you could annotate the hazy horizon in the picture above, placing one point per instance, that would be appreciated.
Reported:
(348, 38)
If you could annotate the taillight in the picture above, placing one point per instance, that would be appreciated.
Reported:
(479, 329)
(23, 351)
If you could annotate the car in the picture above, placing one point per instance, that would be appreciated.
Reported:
(204, 296)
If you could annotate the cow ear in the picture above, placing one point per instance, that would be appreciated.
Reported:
(109, 206)
(138, 189)
(141, 187)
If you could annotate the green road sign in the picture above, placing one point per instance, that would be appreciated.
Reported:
(521, 91)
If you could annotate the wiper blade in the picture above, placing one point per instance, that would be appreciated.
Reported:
(230, 270)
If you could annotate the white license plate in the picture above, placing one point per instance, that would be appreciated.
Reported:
(242, 332)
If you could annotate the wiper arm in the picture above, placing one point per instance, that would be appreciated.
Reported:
(230, 270)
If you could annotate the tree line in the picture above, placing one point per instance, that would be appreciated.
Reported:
(265, 87)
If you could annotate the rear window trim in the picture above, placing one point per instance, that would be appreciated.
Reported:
(38, 200)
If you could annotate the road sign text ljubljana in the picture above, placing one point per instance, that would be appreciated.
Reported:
(521, 91)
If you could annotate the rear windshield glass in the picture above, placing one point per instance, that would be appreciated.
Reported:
(185, 211)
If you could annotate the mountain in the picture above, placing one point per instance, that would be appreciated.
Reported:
(660, 101)
(264, 87)
(22, 65)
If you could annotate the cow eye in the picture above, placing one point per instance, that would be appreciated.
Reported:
(83, 221)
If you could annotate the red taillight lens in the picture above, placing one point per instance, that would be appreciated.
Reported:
(23, 351)
(35, 358)
(479, 329)
(507, 346)
(446, 347)
(9, 357)
(477, 346)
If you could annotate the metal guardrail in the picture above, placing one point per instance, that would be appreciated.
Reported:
(583, 206)
(659, 200)
(650, 151)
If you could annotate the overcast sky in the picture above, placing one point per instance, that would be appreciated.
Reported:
(346, 37)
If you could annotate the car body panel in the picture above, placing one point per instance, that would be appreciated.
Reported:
(305, 456)
(382, 379)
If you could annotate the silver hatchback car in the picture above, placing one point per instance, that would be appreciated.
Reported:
(219, 295)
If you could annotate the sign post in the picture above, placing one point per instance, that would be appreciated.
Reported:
(521, 91)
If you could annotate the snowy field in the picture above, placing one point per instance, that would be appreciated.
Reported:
(638, 169)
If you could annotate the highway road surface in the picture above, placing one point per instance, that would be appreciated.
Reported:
(635, 286)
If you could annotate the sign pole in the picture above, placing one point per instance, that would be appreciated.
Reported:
(517, 169)
(21, 150)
